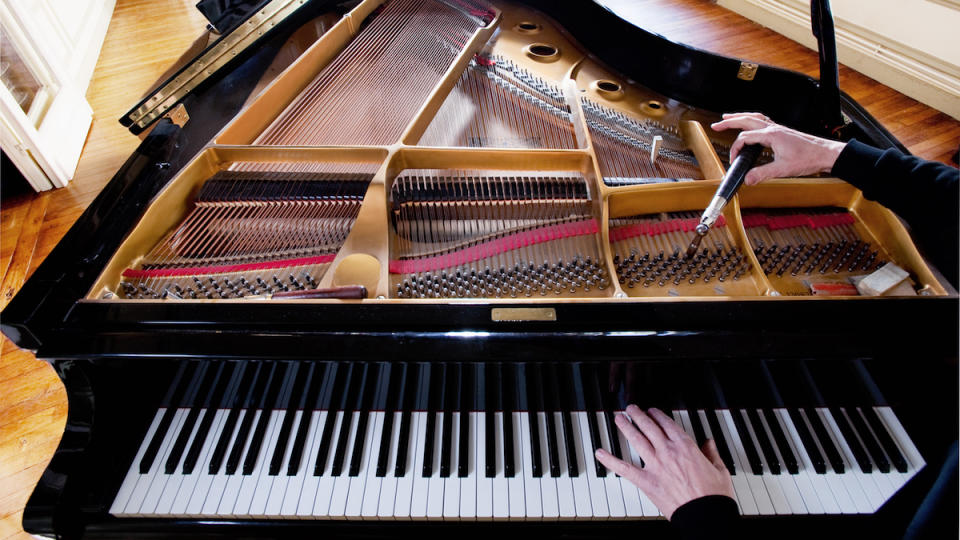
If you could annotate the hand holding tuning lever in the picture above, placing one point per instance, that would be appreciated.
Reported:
(675, 471)
(794, 153)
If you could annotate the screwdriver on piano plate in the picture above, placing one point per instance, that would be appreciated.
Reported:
(728, 188)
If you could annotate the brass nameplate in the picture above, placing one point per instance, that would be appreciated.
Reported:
(523, 314)
(748, 70)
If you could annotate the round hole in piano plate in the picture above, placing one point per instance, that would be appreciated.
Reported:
(608, 86)
(527, 27)
(542, 52)
(654, 108)
(610, 90)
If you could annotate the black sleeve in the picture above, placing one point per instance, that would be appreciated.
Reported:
(924, 193)
(714, 517)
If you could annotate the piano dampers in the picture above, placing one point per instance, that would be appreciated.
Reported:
(371, 91)
(471, 234)
(251, 234)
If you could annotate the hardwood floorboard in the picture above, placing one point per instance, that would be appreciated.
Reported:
(144, 39)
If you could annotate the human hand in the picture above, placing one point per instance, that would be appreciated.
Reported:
(675, 471)
(794, 153)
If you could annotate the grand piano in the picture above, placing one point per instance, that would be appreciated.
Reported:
(413, 278)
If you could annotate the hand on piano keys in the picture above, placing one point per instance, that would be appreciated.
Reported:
(675, 471)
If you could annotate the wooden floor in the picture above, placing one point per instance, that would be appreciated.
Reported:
(144, 39)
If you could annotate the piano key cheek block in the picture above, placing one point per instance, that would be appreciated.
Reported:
(417, 276)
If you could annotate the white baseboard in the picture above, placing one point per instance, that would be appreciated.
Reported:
(927, 79)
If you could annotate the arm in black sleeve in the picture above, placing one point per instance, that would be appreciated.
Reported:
(714, 517)
(924, 193)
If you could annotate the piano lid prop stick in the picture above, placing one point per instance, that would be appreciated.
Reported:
(728, 188)
(350, 292)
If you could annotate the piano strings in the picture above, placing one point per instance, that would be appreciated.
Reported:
(472, 234)
(253, 233)
(372, 90)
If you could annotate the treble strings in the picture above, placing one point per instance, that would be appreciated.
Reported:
(497, 104)
(369, 93)
(252, 233)
(623, 146)
(485, 234)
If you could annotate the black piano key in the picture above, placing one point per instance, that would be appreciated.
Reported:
(753, 457)
(584, 387)
(561, 376)
(722, 448)
(547, 404)
(766, 446)
(433, 379)
(466, 407)
(348, 405)
(820, 431)
(853, 441)
(181, 380)
(698, 433)
(806, 438)
(238, 400)
(391, 404)
(608, 402)
(451, 395)
(411, 382)
(868, 438)
(508, 404)
(371, 379)
(282, 440)
(211, 404)
(534, 406)
(253, 397)
(278, 384)
(491, 385)
(880, 430)
(780, 439)
(308, 403)
(193, 400)
(339, 374)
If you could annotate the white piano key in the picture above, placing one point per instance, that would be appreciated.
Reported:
(468, 484)
(326, 483)
(418, 500)
(774, 490)
(633, 506)
(295, 484)
(195, 491)
(739, 482)
(883, 480)
(358, 484)
(281, 481)
(531, 485)
(515, 484)
(788, 483)
(755, 485)
(404, 499)
(833, 479)
(341, 483)
(566, 498)
(582, 499)
(850, 477)
(501, 488)
(256, 486)
(435, 484)
(157, 477)
(550, 504)
(484, 483)
(373, 489)
(133, 473)
(231, 492)
(175, 480)
(304, 503)
(218, 484)
(611, 482)
(914, 460)
(815, 502)
(598, 492)
(451, 484)
(388, 483)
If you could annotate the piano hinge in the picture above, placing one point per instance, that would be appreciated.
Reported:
(523, 314)
(748, 70)
(178, 115)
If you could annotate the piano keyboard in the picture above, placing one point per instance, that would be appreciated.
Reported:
(420, 441)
